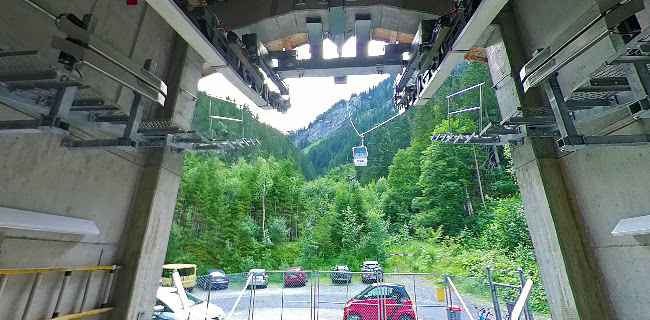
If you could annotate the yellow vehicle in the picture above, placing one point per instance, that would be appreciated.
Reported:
(186, 271)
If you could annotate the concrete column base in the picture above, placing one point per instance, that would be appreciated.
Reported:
(567, 267)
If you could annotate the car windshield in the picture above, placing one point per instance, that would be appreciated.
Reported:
(217, 274)
(258, 274)
(193, 300)
(362, 293)
(372, 266)
(294, 271)
(341, 267)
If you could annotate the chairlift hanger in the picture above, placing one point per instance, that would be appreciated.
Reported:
(360, 153)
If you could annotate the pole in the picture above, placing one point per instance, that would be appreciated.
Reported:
(528, 313)
(480, 108)
(496, 156)
(210, 116)
(448, 117)
(493, 291)
(415, 296)
(207, 305)
(478, 177)
(242, 122)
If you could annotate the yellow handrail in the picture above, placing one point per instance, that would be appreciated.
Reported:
(42, 270)
(82, 314)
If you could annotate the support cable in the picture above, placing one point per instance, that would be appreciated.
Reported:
(371, 129)
(41, 9)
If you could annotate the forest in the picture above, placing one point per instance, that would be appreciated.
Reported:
(280, 205)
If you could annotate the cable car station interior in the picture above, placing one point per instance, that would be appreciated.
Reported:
(97, 99)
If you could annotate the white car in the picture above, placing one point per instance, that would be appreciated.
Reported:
(372, 272)
(170, 306)
(259, 279)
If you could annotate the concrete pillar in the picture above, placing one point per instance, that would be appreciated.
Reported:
(567, 267)
(147, 235)
(566, 262)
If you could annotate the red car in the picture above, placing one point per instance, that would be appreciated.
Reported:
(380, 301)
(295, 276)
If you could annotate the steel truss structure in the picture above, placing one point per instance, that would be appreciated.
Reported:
(53, 91)
(622, 82)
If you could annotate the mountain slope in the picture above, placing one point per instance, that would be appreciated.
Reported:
(328, 141)
(274, 143)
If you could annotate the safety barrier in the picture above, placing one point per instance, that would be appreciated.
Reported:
(349, 295)
(80, 311)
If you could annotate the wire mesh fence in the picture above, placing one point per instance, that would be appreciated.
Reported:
(325, 295)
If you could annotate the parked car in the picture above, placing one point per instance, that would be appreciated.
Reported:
(259, 279)
(169, 306)
(341, 273)
(372, 272)
(186, 271)
(392, 298)
(295, 276)
(214, 279)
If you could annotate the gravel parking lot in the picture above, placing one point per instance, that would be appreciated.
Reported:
(278, 302)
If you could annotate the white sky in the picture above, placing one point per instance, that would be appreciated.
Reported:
(309, 96)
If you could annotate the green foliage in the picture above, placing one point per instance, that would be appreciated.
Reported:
(368, 109)
(266, 207)
(278, 230)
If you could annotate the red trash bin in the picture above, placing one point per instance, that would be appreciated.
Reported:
(453, 312)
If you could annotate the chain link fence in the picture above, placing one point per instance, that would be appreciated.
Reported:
(315, 295)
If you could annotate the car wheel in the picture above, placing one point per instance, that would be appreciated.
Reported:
(353, 316)
(405, 317)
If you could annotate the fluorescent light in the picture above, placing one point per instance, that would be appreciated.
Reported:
(36, 221)
(633, 226)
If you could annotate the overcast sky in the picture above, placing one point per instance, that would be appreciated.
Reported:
(309, 96)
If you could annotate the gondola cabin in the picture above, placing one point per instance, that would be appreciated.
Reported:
(360, 155)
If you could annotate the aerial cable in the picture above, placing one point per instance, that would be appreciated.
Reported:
(373, 128)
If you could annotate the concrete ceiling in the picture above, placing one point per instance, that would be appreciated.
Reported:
(282, 23)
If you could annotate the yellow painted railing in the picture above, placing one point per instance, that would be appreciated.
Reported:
(67, 272)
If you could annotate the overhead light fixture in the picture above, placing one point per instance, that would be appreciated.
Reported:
(36, 221)
(633, 226)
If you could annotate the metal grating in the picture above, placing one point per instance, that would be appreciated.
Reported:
(591, 95)
(15, 62)
(610, 71)
(158, 124)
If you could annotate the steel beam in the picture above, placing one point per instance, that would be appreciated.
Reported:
(137, 107)
(119, 143)
(341, 67)
(639, 81)
(558, 105)
(586, 104)
(34, 126)
(533, 120)
(107, 52)
(180, 22)
(484, 15)
(583, 34)
(631, 59)
(567, 144)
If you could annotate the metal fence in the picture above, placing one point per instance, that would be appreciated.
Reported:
(351, 295)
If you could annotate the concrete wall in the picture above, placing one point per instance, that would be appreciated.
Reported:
(130, 196)
(574, 200)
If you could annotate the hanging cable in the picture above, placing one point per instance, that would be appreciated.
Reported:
(41, 9)
(371, 129)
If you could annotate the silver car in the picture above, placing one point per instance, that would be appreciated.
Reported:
(258, 278)
(341, 273)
